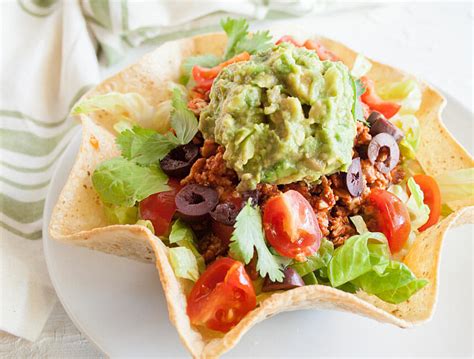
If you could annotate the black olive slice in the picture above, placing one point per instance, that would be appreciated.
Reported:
(179, 161)
(354, 178)
(291, 280)
(225, 213)
(383, 140)
(379, 124)
(194, 202)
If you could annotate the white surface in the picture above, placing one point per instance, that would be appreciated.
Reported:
(431, 40)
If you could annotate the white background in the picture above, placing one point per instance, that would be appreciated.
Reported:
(431, 40)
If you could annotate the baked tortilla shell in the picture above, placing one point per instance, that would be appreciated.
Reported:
(78, 217)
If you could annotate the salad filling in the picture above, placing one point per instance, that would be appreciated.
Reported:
(273, 167)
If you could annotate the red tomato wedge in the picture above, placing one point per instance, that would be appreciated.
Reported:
(291, 225)
(204, 77)
(222, 296)
(432, 198)
(392, 218)
(159, 208)
(371, 99)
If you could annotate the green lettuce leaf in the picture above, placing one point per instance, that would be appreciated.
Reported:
(123, 183)
(359, 223)
(456, 185)
(361, 66)
(131, 107)
(394, 285)
(146, 223)
(407, 93)
(352, 259)
(184, 263)
(310, 279)
(357, 110)
(411, 128)
(319, 260)
(248, 237)
(182, 235)
(419, 212)
(120, 215)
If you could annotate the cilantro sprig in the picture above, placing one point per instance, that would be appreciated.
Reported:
(247, 237)
(135, 175)
(238, 41)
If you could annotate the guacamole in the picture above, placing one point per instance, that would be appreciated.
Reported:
(283, 116)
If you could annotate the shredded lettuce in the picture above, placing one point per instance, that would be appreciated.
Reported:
(456, 185)
(248, 237)
(365, 264)
(123, 183)
(419, 212)
(147, 224)
(182, 235)
(131, 107)
(411, 128)
(361, 66)
(357, 110)
(184, 263)
(394, 285)
(120, 214)
(359, 223)
(319, 260)
(352, 259)
(407, 93)
(310, 279)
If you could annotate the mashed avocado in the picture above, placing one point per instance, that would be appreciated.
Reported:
(283, 116)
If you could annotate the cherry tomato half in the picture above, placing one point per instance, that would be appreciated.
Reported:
(370, 97)
(222, 296)
(204, 77)
(291, 225)
(432, 198)
(160, 207)
(392, 218)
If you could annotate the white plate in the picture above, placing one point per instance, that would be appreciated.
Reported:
(120, 306)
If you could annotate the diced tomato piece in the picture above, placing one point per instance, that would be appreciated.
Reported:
(432, 198)
(392, 218)
(370, 97)
(321, 51)
(222, 296)
(290, 39)
(204, 77)
(291, 225)
(159, 208)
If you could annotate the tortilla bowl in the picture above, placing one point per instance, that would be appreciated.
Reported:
(78, 217)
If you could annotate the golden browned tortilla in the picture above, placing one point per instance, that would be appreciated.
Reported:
(78, 217)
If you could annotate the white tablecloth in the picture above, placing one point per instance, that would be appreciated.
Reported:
(432, 40)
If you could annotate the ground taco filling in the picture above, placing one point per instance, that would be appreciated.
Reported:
(272, 167)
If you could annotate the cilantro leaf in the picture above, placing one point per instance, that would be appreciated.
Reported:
(145, 146)
(122, 183)
(183, 120)
(207, 60)
(248, 234)
(236, 30)
(359, 90)
(260, 41)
